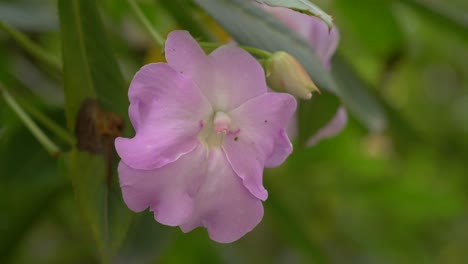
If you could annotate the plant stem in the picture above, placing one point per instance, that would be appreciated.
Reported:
(29, 123)
(205, 45)
(158, 39)
(32, 48)
(183, 15)
(208, 46)
(49, 123)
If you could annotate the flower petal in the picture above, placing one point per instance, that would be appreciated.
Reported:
(313, 29)
(166, 109)
(261, 122)
(283, 148)
(223, 205)
(296, 21)
(228, 77)
(184, 54)
(168, 191)
(322, 40)
(235, 78)
(332, 128)
(292, 128)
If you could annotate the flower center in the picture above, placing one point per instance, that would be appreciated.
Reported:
(215, 129)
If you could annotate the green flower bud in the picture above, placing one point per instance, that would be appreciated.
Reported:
(285, 74)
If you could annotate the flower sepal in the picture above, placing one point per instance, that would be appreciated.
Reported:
(285, 74)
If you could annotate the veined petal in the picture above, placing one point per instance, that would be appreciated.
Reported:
(235, 77)
(228, 77)
(223, 205)
(199, 189)
(261, 138)
(205, 129)
(168, 191)
(184, 54)
(166, 109)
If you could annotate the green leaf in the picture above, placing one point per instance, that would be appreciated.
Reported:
(91, 71)
(102, 207)
(33, 49)
(183, 14)
(365, 107)
(303, 6)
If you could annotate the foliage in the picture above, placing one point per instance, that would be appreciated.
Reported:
(391, 188)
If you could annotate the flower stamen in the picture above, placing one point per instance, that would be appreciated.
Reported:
(221, 122)
(214, 129)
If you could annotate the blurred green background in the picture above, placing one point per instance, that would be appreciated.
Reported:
(399, 195)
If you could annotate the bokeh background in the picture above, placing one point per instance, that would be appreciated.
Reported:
(397, 195)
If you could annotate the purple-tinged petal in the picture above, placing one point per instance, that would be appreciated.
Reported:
(223, 205)
(292, 128)
(261, 122)
(198, 154)
(235, 77)
(322, 40)
(184, 54)
(282, 150)
(332, 128)
(296, 21)
(166, 109)
(168, 191)
(228, 77)
(199, 189)
(311, 28)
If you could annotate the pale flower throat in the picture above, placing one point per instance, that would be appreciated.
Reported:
(215, 129)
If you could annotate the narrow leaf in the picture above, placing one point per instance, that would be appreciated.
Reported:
(30, 47)
(91, 72)
(365, 107)
(90, 69)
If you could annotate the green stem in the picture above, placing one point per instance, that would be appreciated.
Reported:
(29, 123)
(158, 39)
(257, 52)
(205, 45)
(49, 123)
(32, 48)
(208, 46)
(183, 15)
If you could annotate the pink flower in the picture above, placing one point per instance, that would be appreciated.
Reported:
(205, 129)
(324, 42)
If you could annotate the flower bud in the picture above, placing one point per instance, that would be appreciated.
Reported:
(285, 74)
